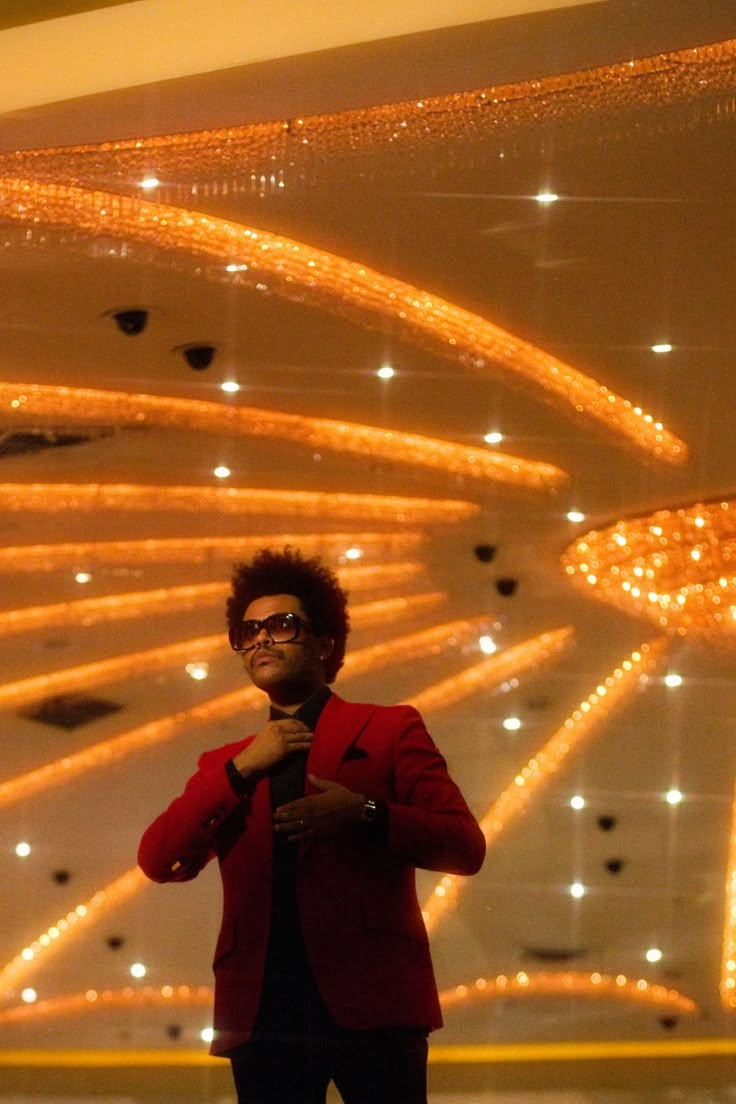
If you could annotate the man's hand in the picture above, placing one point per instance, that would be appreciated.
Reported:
(319, 815)
(272, 744)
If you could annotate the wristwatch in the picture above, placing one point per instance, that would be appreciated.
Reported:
(369, 811)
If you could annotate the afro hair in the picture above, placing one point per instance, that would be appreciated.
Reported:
(323, 599)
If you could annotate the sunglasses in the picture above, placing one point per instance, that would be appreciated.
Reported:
(281, 628)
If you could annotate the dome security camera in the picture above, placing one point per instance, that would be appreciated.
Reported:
(198, 357)
(131, 321)
(506, 587)
(484, 553)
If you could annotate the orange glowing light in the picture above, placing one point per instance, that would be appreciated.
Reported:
(274, 264)
(247, 501)
(412, 646)
(613, 692)
(198, 550)
(96, 1001)
(492, 671)
(15, 694)
(568, 984)
(675, 567)
(76, 922)
(119, 607)
(35, 404)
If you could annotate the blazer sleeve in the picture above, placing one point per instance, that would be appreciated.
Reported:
(180, 842)
(429, 823)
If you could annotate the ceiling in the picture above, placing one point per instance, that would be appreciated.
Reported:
(386, 172)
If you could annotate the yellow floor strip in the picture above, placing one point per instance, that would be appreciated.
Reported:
(438, 1055)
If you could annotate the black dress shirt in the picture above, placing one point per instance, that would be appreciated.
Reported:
(290, 1005)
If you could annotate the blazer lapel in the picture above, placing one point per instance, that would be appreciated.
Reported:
(340, 724)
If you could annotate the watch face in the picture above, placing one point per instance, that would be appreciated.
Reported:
(369, 810)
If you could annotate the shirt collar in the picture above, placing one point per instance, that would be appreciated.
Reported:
(309, 712)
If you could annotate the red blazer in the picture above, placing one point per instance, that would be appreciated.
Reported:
(360, 917)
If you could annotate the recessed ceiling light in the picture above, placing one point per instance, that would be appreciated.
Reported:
(22, 849)
(493, 437)
(673, 796)
(577, 801)
(653, 954)
(150, 182)
(197, 671)
(512, 724)
(138, 970)
(575, 516)
(546, 197)
(230, 386)
(577, 889)
(353, 553)
(662, 347)
(207, 1034)
(487, 644)
(222, 471)
(29, 996)
(82, 576)
(385, 372)
(673, 680)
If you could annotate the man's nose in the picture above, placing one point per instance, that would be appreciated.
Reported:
(263, 633)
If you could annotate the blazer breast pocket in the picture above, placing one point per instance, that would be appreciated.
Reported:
(353, 753)
(366, 773)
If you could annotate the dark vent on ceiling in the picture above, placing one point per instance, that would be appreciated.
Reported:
(70, 710)
(554, 954)
(35, 440)
(542, 701)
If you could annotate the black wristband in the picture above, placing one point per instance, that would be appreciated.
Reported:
(241, 785)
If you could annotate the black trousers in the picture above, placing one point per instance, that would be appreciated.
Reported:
(384, 1066)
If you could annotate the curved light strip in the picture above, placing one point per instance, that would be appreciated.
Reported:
(728, 953)
(269, 155)
(77, 920)
(187, 996)
(299, 272)
(22, 691)
(613, 692)
(383, 611)
(412, 646)
(114, 749)
(197, 550)
(521, 985)
(88, 497)
(568, 983)
(492, 671)
(145, 603)
(13, 695)
(36, 404)
(111, 607)
(675, 567)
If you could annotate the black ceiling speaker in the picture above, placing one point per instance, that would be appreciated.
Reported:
(131, 321)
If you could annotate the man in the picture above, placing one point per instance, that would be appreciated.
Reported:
(322, 966)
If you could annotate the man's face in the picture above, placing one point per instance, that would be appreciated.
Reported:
(288, 673)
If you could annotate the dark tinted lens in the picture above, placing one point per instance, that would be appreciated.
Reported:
(247, 631)
(282, 627)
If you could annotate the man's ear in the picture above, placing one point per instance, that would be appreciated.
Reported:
(326, 647)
